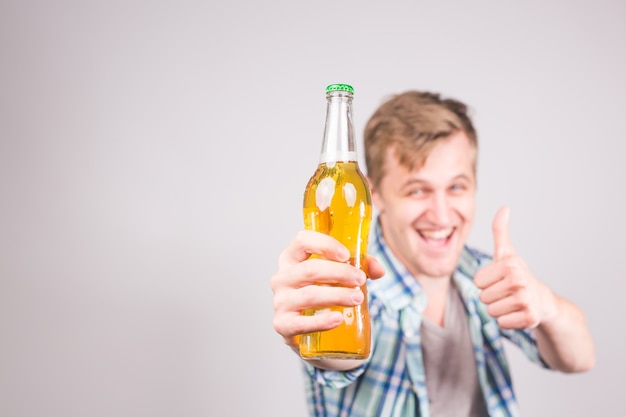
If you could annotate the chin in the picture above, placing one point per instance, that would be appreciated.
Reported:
(441, 269)
(441, 273)
(435, 271)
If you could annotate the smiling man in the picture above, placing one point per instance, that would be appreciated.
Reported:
(439, 309)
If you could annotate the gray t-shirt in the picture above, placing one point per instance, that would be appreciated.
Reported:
(450, 366)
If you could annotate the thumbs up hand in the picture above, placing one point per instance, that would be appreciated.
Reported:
(512, 294)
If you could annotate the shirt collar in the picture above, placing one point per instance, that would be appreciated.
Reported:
(398, 288)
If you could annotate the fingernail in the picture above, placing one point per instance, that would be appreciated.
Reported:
(360, 277)
(343, 253)
(336, 318)
(357, 296)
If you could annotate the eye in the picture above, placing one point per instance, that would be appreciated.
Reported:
(417, 189)
(457, 187)
(417, 192)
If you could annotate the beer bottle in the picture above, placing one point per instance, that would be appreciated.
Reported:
(337, 202)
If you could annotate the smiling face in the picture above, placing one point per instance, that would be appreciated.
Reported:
(426, 213)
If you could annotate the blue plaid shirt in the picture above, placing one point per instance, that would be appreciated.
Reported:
(392, 381)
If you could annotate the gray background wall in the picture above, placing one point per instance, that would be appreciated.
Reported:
(153, 156)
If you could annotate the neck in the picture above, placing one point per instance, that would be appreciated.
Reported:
(436, 290)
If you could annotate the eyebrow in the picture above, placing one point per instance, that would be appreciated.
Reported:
(456, 177)
(412, 181)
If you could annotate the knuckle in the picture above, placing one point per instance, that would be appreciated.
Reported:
(491, 310)
(516, 281)
(517, 265)
(509, 267)
(519, 300)
(307, 295)
(275, 281)
(527, 317)
(281, 327)
(277, 324)
(289, 325)
(278, 302)
(532, 319)
(526, 321)
(301, 238)
(283, 258)
(308, 270)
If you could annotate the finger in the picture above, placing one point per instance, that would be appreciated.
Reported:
(489, 275)
(495, 292)
(297, 324)
(502, 241)
(315, 297)
(308, 242)
(517, 301)
(319, 271)
(374, 268)
(518, 320)
(514, 278)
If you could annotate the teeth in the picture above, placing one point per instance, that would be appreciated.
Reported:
(437, 234)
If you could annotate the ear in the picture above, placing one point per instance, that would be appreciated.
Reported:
(376, 198)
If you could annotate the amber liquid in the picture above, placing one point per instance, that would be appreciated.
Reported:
(337, 202)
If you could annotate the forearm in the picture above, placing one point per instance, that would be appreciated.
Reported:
(564, 340)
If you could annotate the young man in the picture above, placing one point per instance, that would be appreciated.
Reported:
(439, 309)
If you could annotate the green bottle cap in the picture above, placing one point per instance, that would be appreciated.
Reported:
(340, 87)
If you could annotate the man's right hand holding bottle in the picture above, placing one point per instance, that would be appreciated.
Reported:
(295, 285)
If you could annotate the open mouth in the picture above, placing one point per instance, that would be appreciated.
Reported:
(438, 237)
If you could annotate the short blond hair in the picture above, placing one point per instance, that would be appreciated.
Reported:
(411, 123)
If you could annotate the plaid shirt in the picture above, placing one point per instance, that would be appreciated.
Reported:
(392, 381)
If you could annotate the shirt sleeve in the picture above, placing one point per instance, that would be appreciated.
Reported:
(341, 379)
(333, 379)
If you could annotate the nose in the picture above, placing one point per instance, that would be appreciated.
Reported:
(439, 212)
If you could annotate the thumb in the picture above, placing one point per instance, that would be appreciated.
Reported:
(501, 239)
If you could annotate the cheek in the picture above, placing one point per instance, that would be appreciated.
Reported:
(378, 202)
(409, 211)
(467, 209)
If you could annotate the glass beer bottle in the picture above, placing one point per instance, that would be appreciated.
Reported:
(337, 202)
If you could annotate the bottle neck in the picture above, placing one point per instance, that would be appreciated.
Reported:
(338, 144)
